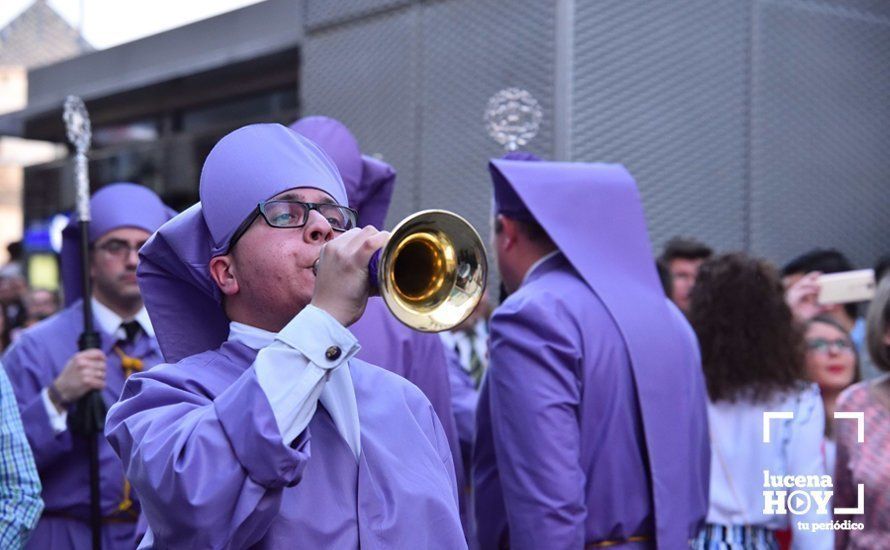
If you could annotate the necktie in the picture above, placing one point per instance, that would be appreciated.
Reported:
(132, 329)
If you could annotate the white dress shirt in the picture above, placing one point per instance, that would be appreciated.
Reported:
(295, 372)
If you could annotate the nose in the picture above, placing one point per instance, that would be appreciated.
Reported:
(317, 230)
(133, 255)
(834, 348)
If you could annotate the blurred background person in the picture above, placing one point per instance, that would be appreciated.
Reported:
(867, 462)
(12, 292)
(20, 503)
(882, 267)
(467, 349)
(752, 355)
(824, 261)
(682, 258)
(39, 303)
(470, 341)
(4, 331)
(832, 363)
(800, 278)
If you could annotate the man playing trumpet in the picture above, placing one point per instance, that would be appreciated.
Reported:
(264, 430)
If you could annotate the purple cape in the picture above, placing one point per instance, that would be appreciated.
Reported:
(114, 206)
(606, 243)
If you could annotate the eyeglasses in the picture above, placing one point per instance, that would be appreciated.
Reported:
(823, 346)
(288, 214)
(119, 248)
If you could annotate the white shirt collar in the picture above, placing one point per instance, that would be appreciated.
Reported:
(110, 322)
(252, 337)
(537, 264)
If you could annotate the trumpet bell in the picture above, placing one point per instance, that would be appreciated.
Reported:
(432, 272)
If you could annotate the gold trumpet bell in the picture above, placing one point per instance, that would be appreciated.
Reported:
(432, 272)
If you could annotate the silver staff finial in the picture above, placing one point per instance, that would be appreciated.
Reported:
(513, 118)
(77, 124)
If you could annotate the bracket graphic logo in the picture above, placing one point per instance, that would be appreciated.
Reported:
(798, 494)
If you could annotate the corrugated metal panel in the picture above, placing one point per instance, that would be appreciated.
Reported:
(471, 50)
(365, 75)
(821, 130)
(326, 12)
(662, 88)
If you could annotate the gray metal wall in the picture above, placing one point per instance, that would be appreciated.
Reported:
(820, 139)
(756, 124)
(412, 80)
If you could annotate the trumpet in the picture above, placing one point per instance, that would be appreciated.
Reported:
(433, 271)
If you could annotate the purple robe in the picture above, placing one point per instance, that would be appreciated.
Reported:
(592, 423)
(199, 438)
(464, 400)
(200, 443)
(416, 356)
(35, 360)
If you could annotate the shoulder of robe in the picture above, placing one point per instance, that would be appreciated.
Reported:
(560, 294)
(206, 373)
(64, 325)
(370, 380)
(57, 331)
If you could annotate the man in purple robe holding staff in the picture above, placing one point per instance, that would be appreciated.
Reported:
(591, 428)
(49, 374)
(264, 430)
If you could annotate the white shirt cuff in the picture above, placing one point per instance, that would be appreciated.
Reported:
(58, 420)
(293, 369)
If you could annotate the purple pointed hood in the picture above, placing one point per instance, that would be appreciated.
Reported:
(247, 166)
(369, 182)
(506, 200)
(114, 206)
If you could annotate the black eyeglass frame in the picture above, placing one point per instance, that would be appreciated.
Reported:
(260, 210)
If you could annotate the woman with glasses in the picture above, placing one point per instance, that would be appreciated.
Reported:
(833, 365)
(752, 356)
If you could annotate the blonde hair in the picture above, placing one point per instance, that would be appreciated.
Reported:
(877, 324)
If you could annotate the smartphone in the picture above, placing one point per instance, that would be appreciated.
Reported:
(847, 287)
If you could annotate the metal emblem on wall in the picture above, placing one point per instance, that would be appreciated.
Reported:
(513, 118)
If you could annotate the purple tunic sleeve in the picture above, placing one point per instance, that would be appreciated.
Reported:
(30, 370)
(218, 463)
(534, 401)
